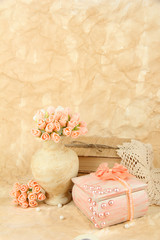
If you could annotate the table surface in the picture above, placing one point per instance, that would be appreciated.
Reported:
(23, 224)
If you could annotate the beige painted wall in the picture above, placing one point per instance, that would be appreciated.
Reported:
(99, 57)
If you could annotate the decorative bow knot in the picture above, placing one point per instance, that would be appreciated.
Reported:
(104, 173)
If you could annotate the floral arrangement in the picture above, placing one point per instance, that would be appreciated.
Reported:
(26, 195)
(56, 122)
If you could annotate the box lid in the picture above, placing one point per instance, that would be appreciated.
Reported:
(100, 190)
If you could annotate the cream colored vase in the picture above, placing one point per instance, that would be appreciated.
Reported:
(53, 166)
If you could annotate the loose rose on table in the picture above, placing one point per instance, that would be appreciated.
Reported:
(54, 123)
(27, 195)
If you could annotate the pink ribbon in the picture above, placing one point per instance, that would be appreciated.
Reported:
(104, 173)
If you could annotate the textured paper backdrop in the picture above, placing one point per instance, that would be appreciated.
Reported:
(99, 57)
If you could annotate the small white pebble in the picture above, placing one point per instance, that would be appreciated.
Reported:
(59, 205)
(126, 225)
(38, 209)
(61, 217)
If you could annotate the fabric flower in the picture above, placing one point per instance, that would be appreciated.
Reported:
(24, 188)
(49, 128)
(16, 186)
(82, 124)
(75, 134)
(50, 119)
(36, 189)
(15, 194)
(39, 115)
(36, 132)
(56, 126)
(50, 110)
(30, 184)
(41, 196)
(55, 137)
(57, 115)
(63, 122)
(41, 124)
(67, 131)
(24, 204)
(83, 130)
(45, 136)
(24, 194)
(59, 109)
(33, 204)
(21, 198)
(32, 196)
(72, 124)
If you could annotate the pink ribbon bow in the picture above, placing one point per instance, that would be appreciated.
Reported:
(103, 172)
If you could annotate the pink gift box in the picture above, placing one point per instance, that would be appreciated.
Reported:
(110, 202)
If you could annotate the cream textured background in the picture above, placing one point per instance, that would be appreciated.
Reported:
(99, 57)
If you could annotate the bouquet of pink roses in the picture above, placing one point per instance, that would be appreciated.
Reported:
(27, 195)
(57, 122)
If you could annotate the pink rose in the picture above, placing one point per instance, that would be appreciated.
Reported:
(45, 136)
(33, 204)
(41, 124)
(24, 204)
(75, 134)
(56, 126)
(83, 130)
(32, 196)
(24, 188)
(50, 119)
(75, 117)
(83, 124)
(49, 128)
(72, 124)
(22, 198)
(36, 132)
(34, 183)
(36, 188)
(15, 194)
(50, 110)
(16, 186)
(63, 122)
(67, 131)
(57, 115)
(41, 196)
(30, 183)
(55, 137)
(40, 114)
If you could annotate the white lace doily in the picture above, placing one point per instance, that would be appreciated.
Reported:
(137, 157)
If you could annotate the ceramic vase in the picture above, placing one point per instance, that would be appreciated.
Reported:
(53, 166)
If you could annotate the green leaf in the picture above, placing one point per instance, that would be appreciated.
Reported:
(46, 115)
(60, 132)
(76, 127)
